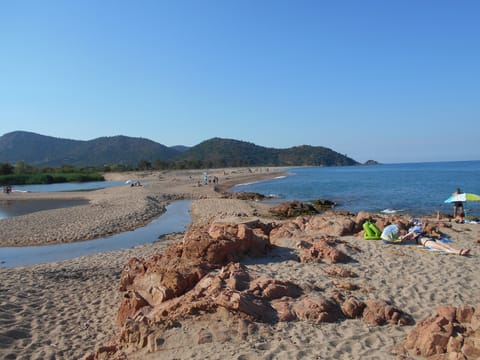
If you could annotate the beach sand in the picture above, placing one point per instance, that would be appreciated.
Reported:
(67, 309)
(116, 209)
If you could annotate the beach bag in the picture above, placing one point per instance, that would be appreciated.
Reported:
(391, 233)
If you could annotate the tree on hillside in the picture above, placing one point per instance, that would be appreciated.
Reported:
(6, 169)
(144, 165)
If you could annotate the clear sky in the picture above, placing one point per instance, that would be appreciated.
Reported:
(390, 80)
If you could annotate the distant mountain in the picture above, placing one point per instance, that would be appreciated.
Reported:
(41, 150)
(226, 153)
(33, 149)
(180, 148)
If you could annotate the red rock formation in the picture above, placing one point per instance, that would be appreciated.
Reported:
(380, 312)
(180, 267)
(131, 304)
(324, 249)
(284, 309)
(111, 352)
(452, 333)
(331, 225)
(246, 303)
(340, 271)
(292, 209)
(317, 309)
(352, 307)
(271, 289)
(201, 275)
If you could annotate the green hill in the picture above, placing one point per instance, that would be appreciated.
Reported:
(40, 150)
(219, 152)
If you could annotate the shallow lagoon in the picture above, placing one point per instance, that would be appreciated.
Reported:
(9, 208)
(175, 219)
(74, 186)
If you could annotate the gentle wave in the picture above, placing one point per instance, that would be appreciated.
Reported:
(391, 211)
(259, 181)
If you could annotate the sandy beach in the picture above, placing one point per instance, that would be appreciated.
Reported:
(116, 209)
(68, 309)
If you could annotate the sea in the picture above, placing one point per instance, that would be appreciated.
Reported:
(411, 188)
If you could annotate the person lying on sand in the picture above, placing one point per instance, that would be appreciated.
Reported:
(432, 243)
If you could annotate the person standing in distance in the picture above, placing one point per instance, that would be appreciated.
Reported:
(458, 206)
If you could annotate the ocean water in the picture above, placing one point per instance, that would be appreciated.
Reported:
(413, 188)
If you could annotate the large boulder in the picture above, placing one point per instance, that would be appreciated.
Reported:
(353, 307)
(225, 242)
(452, 333)
(244, 195)
(292, 209)
(337, 225)
(324, 249)
(169, 275)
(274, 289)
(381, 312)
(317, 309)
(323, 204)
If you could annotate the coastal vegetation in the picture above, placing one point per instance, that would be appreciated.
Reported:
(24, 174)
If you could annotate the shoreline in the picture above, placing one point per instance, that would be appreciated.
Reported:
(117, 209)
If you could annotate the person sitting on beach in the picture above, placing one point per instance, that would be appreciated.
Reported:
(431, 243)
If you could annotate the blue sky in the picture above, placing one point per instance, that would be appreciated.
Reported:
(394, 81)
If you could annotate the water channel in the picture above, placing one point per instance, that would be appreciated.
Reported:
(175, 219)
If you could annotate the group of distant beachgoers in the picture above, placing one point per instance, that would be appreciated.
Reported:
(208, 180)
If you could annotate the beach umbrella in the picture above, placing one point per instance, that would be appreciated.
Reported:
(463, 197)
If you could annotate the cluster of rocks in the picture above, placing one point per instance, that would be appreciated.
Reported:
(323, 204)
(293, 209)
(342, 222)
(202, 275)
(296, 208)
(452, 333)
(244, 195)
